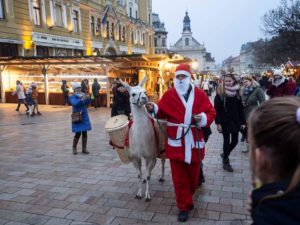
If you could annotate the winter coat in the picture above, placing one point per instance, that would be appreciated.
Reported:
(19, 91)
(171, 108)
(252, 100)
(65, 89)
(292, 87)
(96, 88)
(121, 102)
(280, 211)
(79, 105)
(230, 114)
(279, 91)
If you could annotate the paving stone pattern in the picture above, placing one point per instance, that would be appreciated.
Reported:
(42, 183)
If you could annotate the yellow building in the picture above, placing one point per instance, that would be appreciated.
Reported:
(75, 27)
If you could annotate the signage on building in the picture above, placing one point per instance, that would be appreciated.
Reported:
(54, 39)
(144, 64)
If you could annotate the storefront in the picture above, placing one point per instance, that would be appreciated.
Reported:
(48, 73)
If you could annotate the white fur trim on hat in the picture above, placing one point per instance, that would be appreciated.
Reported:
(298, 115)
(183, 72)
(75, 85)
(277, 72)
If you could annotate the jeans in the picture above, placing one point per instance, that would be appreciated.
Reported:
(20, 101)
(228, 144)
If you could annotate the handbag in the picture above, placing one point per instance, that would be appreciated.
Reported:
(76, 117)
(206, 133)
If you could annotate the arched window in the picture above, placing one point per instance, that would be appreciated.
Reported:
(187, 42)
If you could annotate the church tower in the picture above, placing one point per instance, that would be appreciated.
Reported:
(186, 23)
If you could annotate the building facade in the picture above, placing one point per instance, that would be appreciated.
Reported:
(75, 27)
(161, 35)
(188, 46)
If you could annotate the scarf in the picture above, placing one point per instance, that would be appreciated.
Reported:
(247, 90)
(231, 91)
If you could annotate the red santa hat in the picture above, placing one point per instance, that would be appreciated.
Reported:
(184, 69)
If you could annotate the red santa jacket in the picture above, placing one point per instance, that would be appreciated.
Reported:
(170, 107)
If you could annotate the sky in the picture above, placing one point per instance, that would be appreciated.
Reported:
(222, 25)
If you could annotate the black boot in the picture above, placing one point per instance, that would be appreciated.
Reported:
(75, 141)
(84, 142)
(183, 216)
(226, 165)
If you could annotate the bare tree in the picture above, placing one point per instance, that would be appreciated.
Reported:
(286, 18)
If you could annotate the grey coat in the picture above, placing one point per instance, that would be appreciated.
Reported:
(253, 100)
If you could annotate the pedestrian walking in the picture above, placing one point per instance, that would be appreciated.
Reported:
(230, 116)
(95, 91)
(79, 102)
(185, 144)
(121, 102)
(279, 85)
(34, 95)
(65, 90)
(20, 91)
(252, 96)
(29, 100)
(274, 131)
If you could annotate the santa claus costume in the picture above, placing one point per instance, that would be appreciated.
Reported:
(185, 144)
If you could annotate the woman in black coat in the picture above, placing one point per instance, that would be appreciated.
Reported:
(121, 102)
(230, 117)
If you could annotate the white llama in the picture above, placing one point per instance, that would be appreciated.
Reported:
(142, 137)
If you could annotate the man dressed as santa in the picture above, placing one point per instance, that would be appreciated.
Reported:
(186, 109)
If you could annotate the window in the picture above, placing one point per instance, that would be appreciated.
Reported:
(36, 6)
(7, 49)
(163, 42)
(143, 39)
(136, 14)
(155, 42)
(187, 41)
(42, 51)
(124, 34)
(130, 12)
(150, 41)
(58, 15)
(92, 25)
(107, 29)
(98, 30)
(75, 21)
(120, 32)
(2, 9)
(112, 31)
(132, 37)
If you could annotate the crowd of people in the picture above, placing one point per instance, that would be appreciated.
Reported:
(240, 106)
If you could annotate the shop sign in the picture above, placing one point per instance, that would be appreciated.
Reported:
(144, 64)
(54, 39)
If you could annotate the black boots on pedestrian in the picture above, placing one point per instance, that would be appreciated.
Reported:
(226, 164)
(183, 216)
(84, 142)
(75, 142)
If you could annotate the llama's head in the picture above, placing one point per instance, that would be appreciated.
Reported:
(137, 93)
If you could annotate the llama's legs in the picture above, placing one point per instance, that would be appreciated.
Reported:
(163, 161)
(150, 163)
(137, 162)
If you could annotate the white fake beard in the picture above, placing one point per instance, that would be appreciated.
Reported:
(182, 86)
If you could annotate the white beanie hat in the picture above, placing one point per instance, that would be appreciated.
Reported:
(75, 85)
(277, 72)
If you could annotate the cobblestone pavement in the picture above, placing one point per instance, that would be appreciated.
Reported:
(41, 182)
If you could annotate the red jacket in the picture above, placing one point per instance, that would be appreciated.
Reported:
(279, 91)
(170, 107)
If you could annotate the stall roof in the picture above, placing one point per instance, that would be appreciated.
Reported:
(115, 60)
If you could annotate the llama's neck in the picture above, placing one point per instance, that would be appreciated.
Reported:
(139, 114)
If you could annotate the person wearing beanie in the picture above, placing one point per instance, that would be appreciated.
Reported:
(252, 96)
(279, 85)
(79, 102)
(185, 142)
(230, 117)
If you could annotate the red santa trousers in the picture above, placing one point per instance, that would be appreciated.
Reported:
(185, 180)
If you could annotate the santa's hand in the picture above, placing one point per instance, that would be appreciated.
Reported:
(149, 107)
(198, 117)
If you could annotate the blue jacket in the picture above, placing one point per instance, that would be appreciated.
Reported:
(77, 106)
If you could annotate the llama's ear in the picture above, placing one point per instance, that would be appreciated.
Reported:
(143, 81)
(125, 85)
